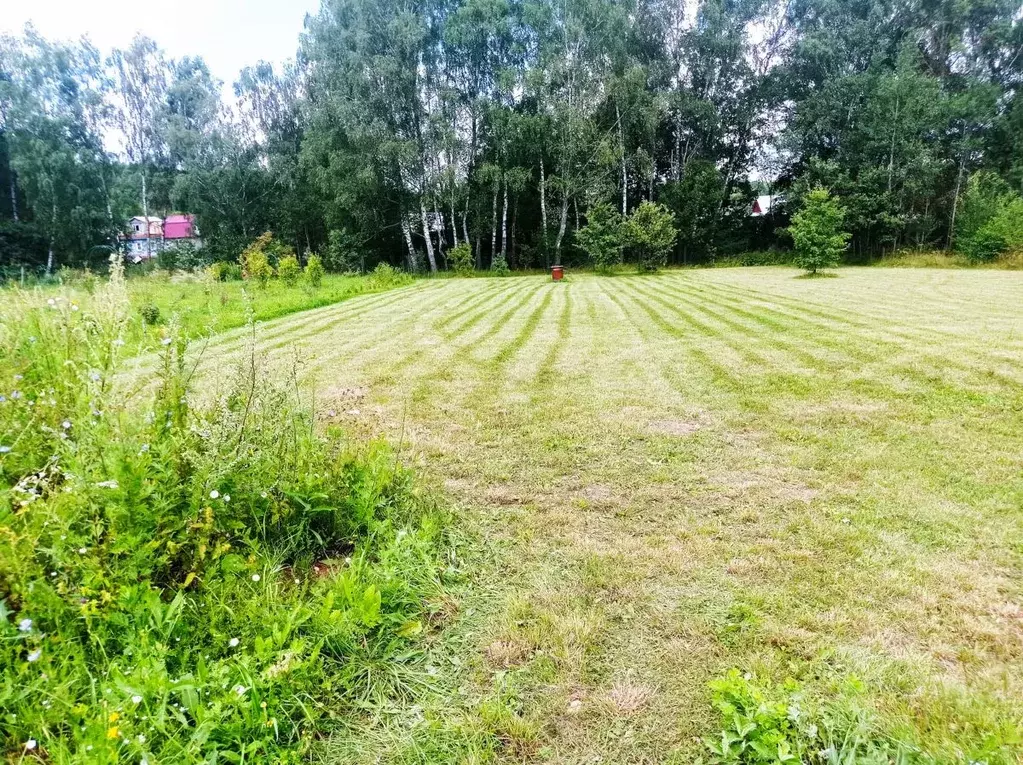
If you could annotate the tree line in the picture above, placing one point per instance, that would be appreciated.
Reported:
(405, 128)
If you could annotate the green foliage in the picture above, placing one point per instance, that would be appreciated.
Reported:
(255, 262)
(160, 602)
(288, 270)
(386, 276)
(602, 237)
(650, 232)
(461, 260)
(343, 254)
(222, 271)
(991, 222)
(150, 313)
(817, 231)
(314, 270)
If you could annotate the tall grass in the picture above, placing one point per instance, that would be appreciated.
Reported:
(182, 582)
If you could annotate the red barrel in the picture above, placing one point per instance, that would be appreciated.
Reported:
(557, 272)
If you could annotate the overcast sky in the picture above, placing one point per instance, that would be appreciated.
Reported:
(229, 34)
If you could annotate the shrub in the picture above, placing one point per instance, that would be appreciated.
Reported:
(150, 313)
(990, 222)
(343, 254)
(288, 270)
(159, 597)
(255, 262)
(817, 233)
(461, 260)
(314, 270)
(985, 245)
(651, 232)
(386, 275)
(602, 236)
(222, 271)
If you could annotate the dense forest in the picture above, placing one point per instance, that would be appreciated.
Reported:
(405, 128)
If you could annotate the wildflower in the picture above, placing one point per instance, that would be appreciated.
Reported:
(143, 761)
(136, 699)
(111, 484)
(233, 642)
(15, 395)
(4, 449)
(51, 301)
(263, 494)
(35, 655)
(144, 449)
(214, 494)
(255, 577)
(19, 377)
(240, 690)
(74, 307)
(845, 520)
(25, 625)
(83, 550)
(113, 732)
(118, 342)
(166, 341)
(66, 424)
(31, 744)
(94, 375)
(142, 738)
(227, 497)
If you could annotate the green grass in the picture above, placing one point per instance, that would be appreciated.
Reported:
(814, 482)
(202, 306)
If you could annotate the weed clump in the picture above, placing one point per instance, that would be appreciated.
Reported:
(159, 587)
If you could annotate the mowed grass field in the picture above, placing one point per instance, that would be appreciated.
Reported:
(675, 475)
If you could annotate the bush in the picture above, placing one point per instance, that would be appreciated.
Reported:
(314, 270)
(984, 246)
(255, 262)
(343, 254)
(461, 260)
(386, 275)
(991, 220)
(817, 233)
(602, 236)
(651, 232)
(160, 600)
(221, 271)
(150, 313)
(288, 270)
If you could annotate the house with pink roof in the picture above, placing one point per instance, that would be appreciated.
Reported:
(148, 237)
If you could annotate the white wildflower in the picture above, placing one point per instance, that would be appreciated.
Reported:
(214, 494)
(166, 341)
(240, 690)
(136, 699)
(35, 655)
(111, 484)
(25, 625)
(66, 424)
(83, 550)
(4, 449)
(233, 642)
(94, 375)
(31, 744)
(255, 577)
(227, 497)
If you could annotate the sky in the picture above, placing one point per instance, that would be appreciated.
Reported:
(229, 34)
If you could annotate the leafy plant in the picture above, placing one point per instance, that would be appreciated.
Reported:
(150, 313)
(343, 253)
(255, 262)
(159, 599)
(602, 236)
(461, 259)
(314, 270)
(288, 270)
(817, 233)
(650, 231)
(386, 275)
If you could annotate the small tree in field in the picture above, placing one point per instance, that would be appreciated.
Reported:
(601, 237)
(460, 259)
(254, 261)
(817, 231)
(314, 270)
(288, 270)
(651, 231)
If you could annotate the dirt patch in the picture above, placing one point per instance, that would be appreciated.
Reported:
(674, 427)
(506, 653)
(627, 699)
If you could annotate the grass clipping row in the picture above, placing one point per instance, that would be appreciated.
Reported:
(161, 565)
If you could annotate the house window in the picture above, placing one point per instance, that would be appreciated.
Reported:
(137, 227)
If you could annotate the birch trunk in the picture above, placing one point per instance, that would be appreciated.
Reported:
(454, 221)
(955, 204)
(493, 230)
(561, 227)
(426, 235)
(625, 170)
(145, 214)
(406, 229)
(53, 229)
(14, 195)
(543, 212)
(504, 225)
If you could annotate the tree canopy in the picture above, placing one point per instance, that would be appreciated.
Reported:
(407, 129)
